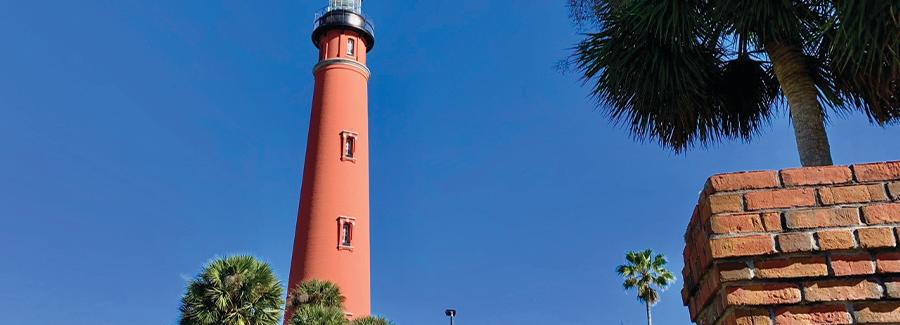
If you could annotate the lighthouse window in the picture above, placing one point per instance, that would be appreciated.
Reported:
(348, 145)
(346, 233)
(345, 229)
(351, 47)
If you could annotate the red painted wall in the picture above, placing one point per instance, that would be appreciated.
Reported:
(335, 187)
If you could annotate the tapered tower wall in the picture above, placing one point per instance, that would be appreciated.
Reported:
(332, 234)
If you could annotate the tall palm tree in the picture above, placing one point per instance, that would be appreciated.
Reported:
(696, 72)
(647, 275)
(236, 290)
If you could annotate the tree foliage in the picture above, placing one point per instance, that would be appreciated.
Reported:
(316, 292)
(235, 290)
(646, 273)
(688, 73)
(318, 315)
(371, 320)
(316, 302)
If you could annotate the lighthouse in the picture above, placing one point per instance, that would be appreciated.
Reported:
(331, 242)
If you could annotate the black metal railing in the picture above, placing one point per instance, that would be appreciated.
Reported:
(343, 17)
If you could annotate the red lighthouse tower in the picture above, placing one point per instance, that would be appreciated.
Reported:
(332, 235)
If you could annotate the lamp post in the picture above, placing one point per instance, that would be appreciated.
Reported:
(450, 313)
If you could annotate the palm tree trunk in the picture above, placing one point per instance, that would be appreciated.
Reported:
(649, 319)
(800, 90)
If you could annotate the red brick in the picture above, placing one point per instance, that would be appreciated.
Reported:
(702, 256)
(803, 267)
(876, 237)
(886, 171)
(835, 240)
(688, 261)
(736, 223)
(708, 287)
(808, 315)
(894, 188)
(803, 197)
(762, 294)
(878, 313)
(734, 272)
(822, 218)
(693, 310)
(772, 221)
(893, 287)
(882, 213)
(695, 220)
(857, 264)
(743, 181)
(888, 262)
(748, 317)
(725, 203)
(742, 246)
(853, 194)
(711, 314)
(796, 242)
(841, 290)
(817, 176)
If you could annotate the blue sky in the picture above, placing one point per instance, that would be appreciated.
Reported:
(141, 138)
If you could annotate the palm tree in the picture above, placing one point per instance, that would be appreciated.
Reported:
(318, 315)
(316, 292)
(235, 290)
(316, 302)
(646, 274)
(697, 72)
(371, 320)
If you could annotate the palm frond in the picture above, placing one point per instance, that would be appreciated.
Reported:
(748, 91)
(863, 45)
(316, 292)
(233, 291)
(318, 315)
(646, 274)
(690, 73)
(764, 21)
(371, 320)
(656, 74)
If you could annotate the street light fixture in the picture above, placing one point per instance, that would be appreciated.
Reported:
(450, 313)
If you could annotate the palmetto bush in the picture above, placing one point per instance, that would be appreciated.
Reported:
(235, 290)
(371, 320)
(318, 315)
(316, 302)
(316, 292)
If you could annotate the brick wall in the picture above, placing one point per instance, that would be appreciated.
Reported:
(796, 246)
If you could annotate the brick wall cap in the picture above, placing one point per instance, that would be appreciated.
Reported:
(878, 171)
(738, 181)
(824, 175)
